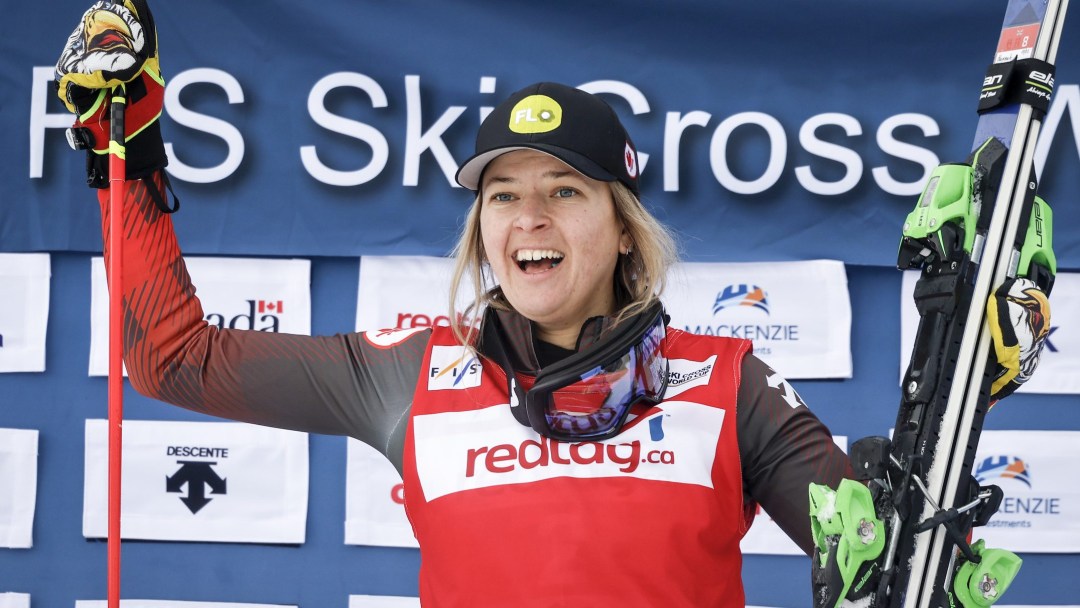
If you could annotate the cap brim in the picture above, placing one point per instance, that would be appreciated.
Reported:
(468, 176)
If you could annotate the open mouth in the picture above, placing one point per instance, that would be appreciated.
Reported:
(532, 261)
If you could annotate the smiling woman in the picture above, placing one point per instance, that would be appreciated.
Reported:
(551, 427)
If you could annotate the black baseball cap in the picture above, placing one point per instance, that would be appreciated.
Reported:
(576, 127)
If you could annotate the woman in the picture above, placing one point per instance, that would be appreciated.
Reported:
(584, 453)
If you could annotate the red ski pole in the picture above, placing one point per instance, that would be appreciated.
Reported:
(117, 175)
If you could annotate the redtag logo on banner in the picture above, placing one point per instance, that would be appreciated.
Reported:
(236, 293)
(406, 292)
(797, 314)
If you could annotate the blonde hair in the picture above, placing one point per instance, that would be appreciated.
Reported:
(639, 278)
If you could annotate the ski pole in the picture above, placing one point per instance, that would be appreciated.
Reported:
(117, 175)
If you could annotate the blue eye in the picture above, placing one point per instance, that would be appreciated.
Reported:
(502, 197)
(565, 192)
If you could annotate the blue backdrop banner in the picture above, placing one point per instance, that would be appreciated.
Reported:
(327, 129)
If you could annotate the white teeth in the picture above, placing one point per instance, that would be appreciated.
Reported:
(527, 255)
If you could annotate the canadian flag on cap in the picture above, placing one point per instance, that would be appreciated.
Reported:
(270, 306)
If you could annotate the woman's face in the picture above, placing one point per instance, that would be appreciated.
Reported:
(552, 239)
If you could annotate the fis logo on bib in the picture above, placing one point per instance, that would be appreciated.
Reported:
(453, 367)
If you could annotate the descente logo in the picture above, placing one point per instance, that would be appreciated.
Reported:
(530, 454)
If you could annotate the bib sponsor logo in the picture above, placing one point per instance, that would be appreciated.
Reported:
(385, 338)
(531, 453)
(453, 367)
(535, 114)
(458, 451)
(684, 375)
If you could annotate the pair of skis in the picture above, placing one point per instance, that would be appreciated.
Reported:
(976, 225)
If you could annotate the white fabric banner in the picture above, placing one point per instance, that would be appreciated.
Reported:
(374, 500)
(1060, 358)
(406, 292)
(1037, 472)
(238, 293)
(14, 600)
(200, 481)
(24, 311)
(765, 537)
(174, 604)
(798, 314)
(18, 478)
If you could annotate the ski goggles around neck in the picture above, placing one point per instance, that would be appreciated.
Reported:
(588, 395)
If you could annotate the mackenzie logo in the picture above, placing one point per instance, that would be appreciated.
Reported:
(741, 295)
(1004, 467)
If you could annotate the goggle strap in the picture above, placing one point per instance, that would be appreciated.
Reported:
(493, 347)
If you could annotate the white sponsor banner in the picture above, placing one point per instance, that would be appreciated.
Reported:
(1037, 472)
(406, 292)
(24, 311)
(374, 500)
(798, 314)
(383, 601)
(175, 604)
(200, 481)
(457, 451)
(14, 600)
(237, 293)
(1060, 357)
(18, 479)
(766, 537)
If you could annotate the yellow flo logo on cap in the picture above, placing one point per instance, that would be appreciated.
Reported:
(535, 114)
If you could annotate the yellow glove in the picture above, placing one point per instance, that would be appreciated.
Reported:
(1019, 317)
(114, 45)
